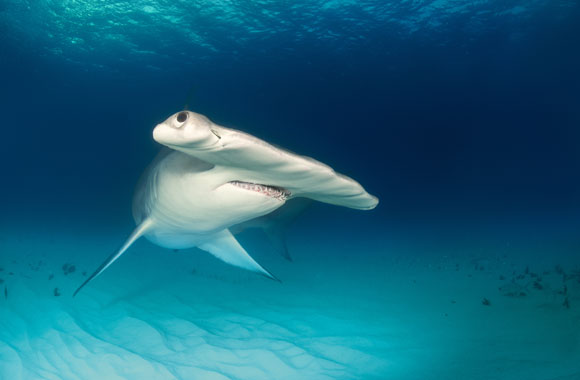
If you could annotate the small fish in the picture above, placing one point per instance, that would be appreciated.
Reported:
(566, 303)
(5, 292)
(56, 292)
(50, 276)
(485, 302)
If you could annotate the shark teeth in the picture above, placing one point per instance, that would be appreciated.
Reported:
(270, 191)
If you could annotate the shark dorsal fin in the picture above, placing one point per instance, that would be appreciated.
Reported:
(189, 98)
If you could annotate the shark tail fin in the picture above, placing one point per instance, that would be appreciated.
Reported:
(139, 231)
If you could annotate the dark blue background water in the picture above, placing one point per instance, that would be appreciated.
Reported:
(459, 113)
(462, 117)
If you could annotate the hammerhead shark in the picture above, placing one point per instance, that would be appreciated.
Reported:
(210, 178)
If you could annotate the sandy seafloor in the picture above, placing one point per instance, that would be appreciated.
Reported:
(350, 306)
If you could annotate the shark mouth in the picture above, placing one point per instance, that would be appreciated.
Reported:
(270, 191)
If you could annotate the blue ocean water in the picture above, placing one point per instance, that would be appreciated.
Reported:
(461, 117)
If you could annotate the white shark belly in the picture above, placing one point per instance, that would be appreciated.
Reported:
(178, 221)
(188, 207)
(175, 239)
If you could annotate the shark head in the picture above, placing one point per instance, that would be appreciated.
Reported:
(186, 129)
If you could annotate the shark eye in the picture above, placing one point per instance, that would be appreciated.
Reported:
(181, 117)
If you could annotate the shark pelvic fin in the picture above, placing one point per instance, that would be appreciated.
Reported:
(225, 247)
(139, 231)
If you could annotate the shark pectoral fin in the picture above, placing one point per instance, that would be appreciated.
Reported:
(139, 231)
(277, 237)
(225, 247)
(276, 223)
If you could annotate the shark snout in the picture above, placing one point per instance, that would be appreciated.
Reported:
(162, 133)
